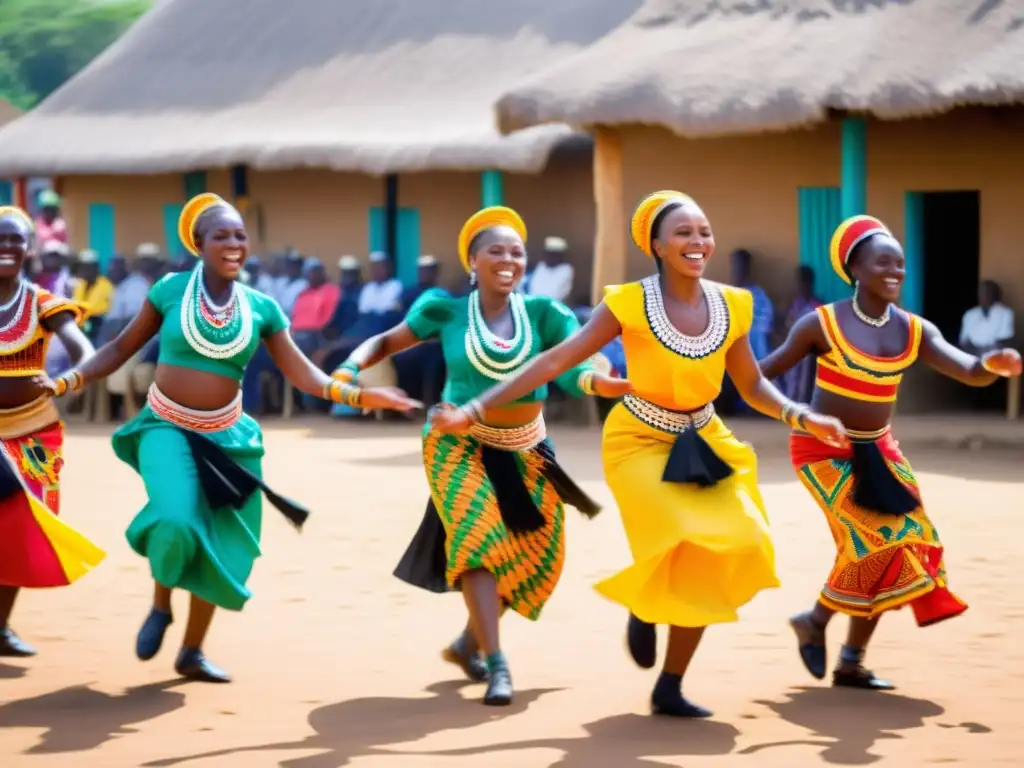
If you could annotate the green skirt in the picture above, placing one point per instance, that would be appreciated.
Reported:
(208, 552)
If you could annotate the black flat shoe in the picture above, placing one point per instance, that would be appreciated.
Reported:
(499, 689)
(860, 678)
(642, 642)
(13, 646)
(151, 634)
(677, 706)
(472, 665)
(814, 655)
(192, 664)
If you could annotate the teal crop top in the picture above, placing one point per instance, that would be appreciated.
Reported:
(166, 296)
(436, 315)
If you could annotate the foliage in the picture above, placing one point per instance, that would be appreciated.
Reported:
(43, 43)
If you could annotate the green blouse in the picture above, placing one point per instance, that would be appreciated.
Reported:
(166, 296)
(436, 315)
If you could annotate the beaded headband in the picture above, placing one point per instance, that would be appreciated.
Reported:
(495, 216)
(193, 209)
(18, 213)
(647, 211)
(848, 235)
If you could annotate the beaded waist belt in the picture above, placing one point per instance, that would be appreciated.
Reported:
(511, 438)
(28, 418)
(188, 418)
(665, 419)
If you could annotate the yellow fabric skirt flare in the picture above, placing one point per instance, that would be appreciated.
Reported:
(699, 553)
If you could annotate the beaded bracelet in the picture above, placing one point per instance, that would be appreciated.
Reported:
(585, 383)
(347, 371)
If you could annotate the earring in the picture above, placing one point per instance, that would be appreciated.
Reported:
(856, 289)
(472, 277)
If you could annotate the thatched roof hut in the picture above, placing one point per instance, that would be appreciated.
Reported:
(374, 86)
(714, 67)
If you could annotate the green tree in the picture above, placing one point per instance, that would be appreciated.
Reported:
(43, 43)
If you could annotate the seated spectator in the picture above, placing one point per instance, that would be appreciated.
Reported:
(427, 275)
(130, 294)
(258, 278)
(989, 325)
(314, 307)
(798, 383)
(54, 271)
(553, 276)
(291, 281)
(50, 224)
(383, 294)
(93, 290)
(132, 382)
(351, 283)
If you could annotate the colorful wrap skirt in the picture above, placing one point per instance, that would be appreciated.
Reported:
(200, 528)
(888, 553)
(496, 504)
(687, 491)
(37, 548)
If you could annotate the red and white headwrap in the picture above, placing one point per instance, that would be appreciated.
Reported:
(854, 230)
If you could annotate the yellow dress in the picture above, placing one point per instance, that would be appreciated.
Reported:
(699, 552)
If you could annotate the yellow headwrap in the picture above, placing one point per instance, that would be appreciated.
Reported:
(647, 211)
(854, 230)
(18, 213)
(193, 209)
(495, 216)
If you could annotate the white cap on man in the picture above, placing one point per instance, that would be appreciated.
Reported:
(88, 256)
(555, 245)
(147, 251)
(56, 246)
(348, 263)
(378, 256)
(426, 261)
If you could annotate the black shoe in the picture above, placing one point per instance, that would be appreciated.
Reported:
(472, 665)
(677, 706)
(860, 678)
(11, 645)
(193, 665)
(642, 641)
(813, 652)
(499, 689)
(151, 634)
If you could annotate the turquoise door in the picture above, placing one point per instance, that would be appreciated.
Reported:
(102, 237)
(408, 240)
(172, 245)
(6, 192)
(819, 215)
(913, 249)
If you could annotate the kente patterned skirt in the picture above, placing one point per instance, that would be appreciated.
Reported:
(200, 529)
(496, 504)
(888, 553)
(687, 491)
(37, 548)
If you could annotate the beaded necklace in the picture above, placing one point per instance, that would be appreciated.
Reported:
(494, 357)
(24, 321)
(216, 332)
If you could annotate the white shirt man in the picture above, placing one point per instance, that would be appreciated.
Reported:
(552, 277)
(382, 293)
(990, 324)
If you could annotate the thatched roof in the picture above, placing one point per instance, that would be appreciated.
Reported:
(375, 86)
(8, 111)
(707, 67)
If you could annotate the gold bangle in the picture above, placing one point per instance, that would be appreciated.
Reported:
(62, 386)
(73, 381)
(585, 382)
(475, 409)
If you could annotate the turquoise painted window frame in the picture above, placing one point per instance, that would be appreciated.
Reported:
(408, 240)
(912, 296)
(819, 212)
(102, 226)
(492, 189)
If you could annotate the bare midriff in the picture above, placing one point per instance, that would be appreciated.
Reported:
(515, 415)
(858, 415)
(16, 391)
(198, 390)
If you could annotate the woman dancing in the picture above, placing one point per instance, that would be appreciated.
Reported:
(494, 528)
(36, 548)
(198, 454)
(685, 486)
(888, 553)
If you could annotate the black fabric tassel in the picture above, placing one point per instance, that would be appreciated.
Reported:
(875, 487)
(518, 511)
(692, 460)
(226, 483)
(567, 490)
(425, 561)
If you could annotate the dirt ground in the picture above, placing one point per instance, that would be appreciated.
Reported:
(336, 662)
